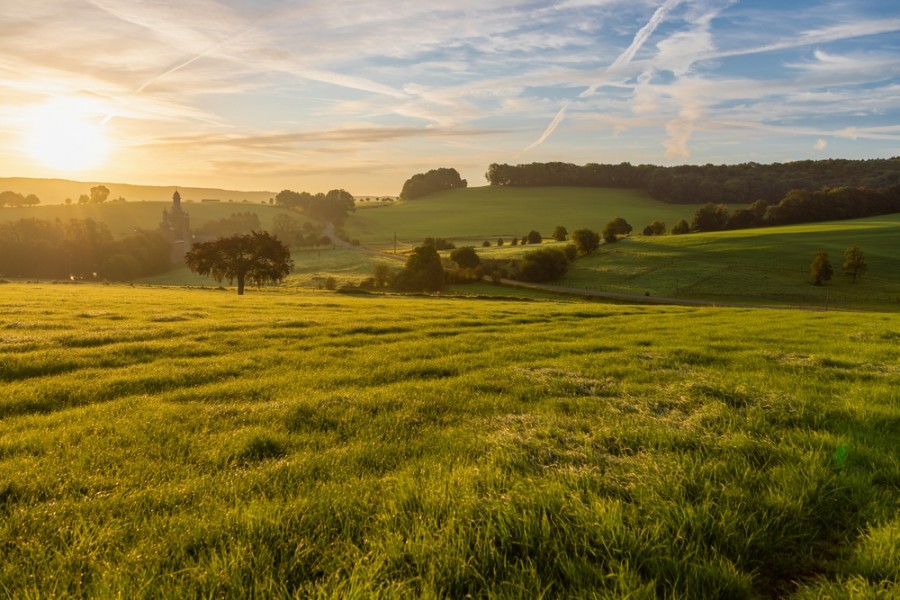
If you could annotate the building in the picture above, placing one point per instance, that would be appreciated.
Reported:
(176, 228)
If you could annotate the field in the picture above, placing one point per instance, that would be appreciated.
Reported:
(473, 215)
(159, 442)
(756, 266)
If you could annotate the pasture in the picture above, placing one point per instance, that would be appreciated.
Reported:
(473, 215)
(160, 442)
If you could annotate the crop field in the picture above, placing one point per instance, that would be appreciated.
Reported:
(473, 215)
(161, 442)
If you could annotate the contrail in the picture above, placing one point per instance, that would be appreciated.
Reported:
(624, 58)
(550, 128)
(184, 64)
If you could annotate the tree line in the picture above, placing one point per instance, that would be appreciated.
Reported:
(334, 206)
(697, 184)
(798, 206)
(79, 249)
(435, 180)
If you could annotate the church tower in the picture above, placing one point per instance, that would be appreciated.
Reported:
(176, 228)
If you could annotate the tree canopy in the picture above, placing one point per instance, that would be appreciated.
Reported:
(435, 180)
(257, 257)
(334, 206)
(542, 265)
(820, 270)
(15, 199)
(423, 271)
(855, 264)
(697, 184)
(586, 241)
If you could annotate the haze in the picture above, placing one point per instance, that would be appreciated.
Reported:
(360, 95)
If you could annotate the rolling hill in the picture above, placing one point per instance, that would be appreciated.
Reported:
(55, 191)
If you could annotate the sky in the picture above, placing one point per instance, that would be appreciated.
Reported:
(362, 94)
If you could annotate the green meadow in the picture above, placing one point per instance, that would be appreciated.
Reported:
(755, 266)
(473, 215)
(162, 442)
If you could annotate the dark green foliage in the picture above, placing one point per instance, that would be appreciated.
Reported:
(333, 207)
(680, 227)
(820, 270)
(438, 243)
(586, 241)
(499, 241)
(465, 257)
(257, 257)
(534, 237)
(542, 265)
(655, 228)
(855, 264)
(234, 224)
(710, 217)
(614, 229)
(486, 244)
(560, 233)
(571, 252)
(423, 271)
(79, 249)
(435, 180)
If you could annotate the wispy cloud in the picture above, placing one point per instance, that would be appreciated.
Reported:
(318, 86)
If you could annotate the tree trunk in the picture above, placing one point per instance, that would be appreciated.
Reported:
(240, 280)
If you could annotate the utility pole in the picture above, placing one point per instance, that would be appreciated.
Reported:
(395, 242)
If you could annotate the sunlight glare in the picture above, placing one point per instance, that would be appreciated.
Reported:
(66, 136)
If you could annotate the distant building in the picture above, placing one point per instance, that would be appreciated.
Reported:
(176, 227)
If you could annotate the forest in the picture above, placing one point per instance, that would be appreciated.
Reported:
(698, 184)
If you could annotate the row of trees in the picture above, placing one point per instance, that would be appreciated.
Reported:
(15, 199)
(79, 248)
(799, 206)
(435, 180)
(335, 206)
(695, 184)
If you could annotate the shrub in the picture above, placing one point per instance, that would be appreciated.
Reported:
(543, 265)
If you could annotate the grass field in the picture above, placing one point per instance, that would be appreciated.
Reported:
(475, 214)
(762, 266)
(159, 442)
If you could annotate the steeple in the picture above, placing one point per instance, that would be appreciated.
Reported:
(176, 201)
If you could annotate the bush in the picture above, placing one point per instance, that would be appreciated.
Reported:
(586, 241)
(680, 227)
(542, 265)
(465, 257)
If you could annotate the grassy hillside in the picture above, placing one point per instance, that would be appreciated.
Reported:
(768, 266)
(189, 443)
(480, 213)
(55, 191)
(125, 217)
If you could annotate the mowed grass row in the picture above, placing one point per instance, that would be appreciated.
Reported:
(185, 443)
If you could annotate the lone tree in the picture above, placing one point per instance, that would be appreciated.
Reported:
(560, 234)
(465, 257)
(855, 264)
(423, 271)
(543, 265)
(258, 257)
(586, 241)
(820, 270)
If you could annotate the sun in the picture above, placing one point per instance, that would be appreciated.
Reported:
(64, 135)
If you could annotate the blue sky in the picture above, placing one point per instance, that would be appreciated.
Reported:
(362, 94)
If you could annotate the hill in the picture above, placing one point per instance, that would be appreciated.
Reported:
(486, 213)
(55, 191)
(763, 266)
(186, 443)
